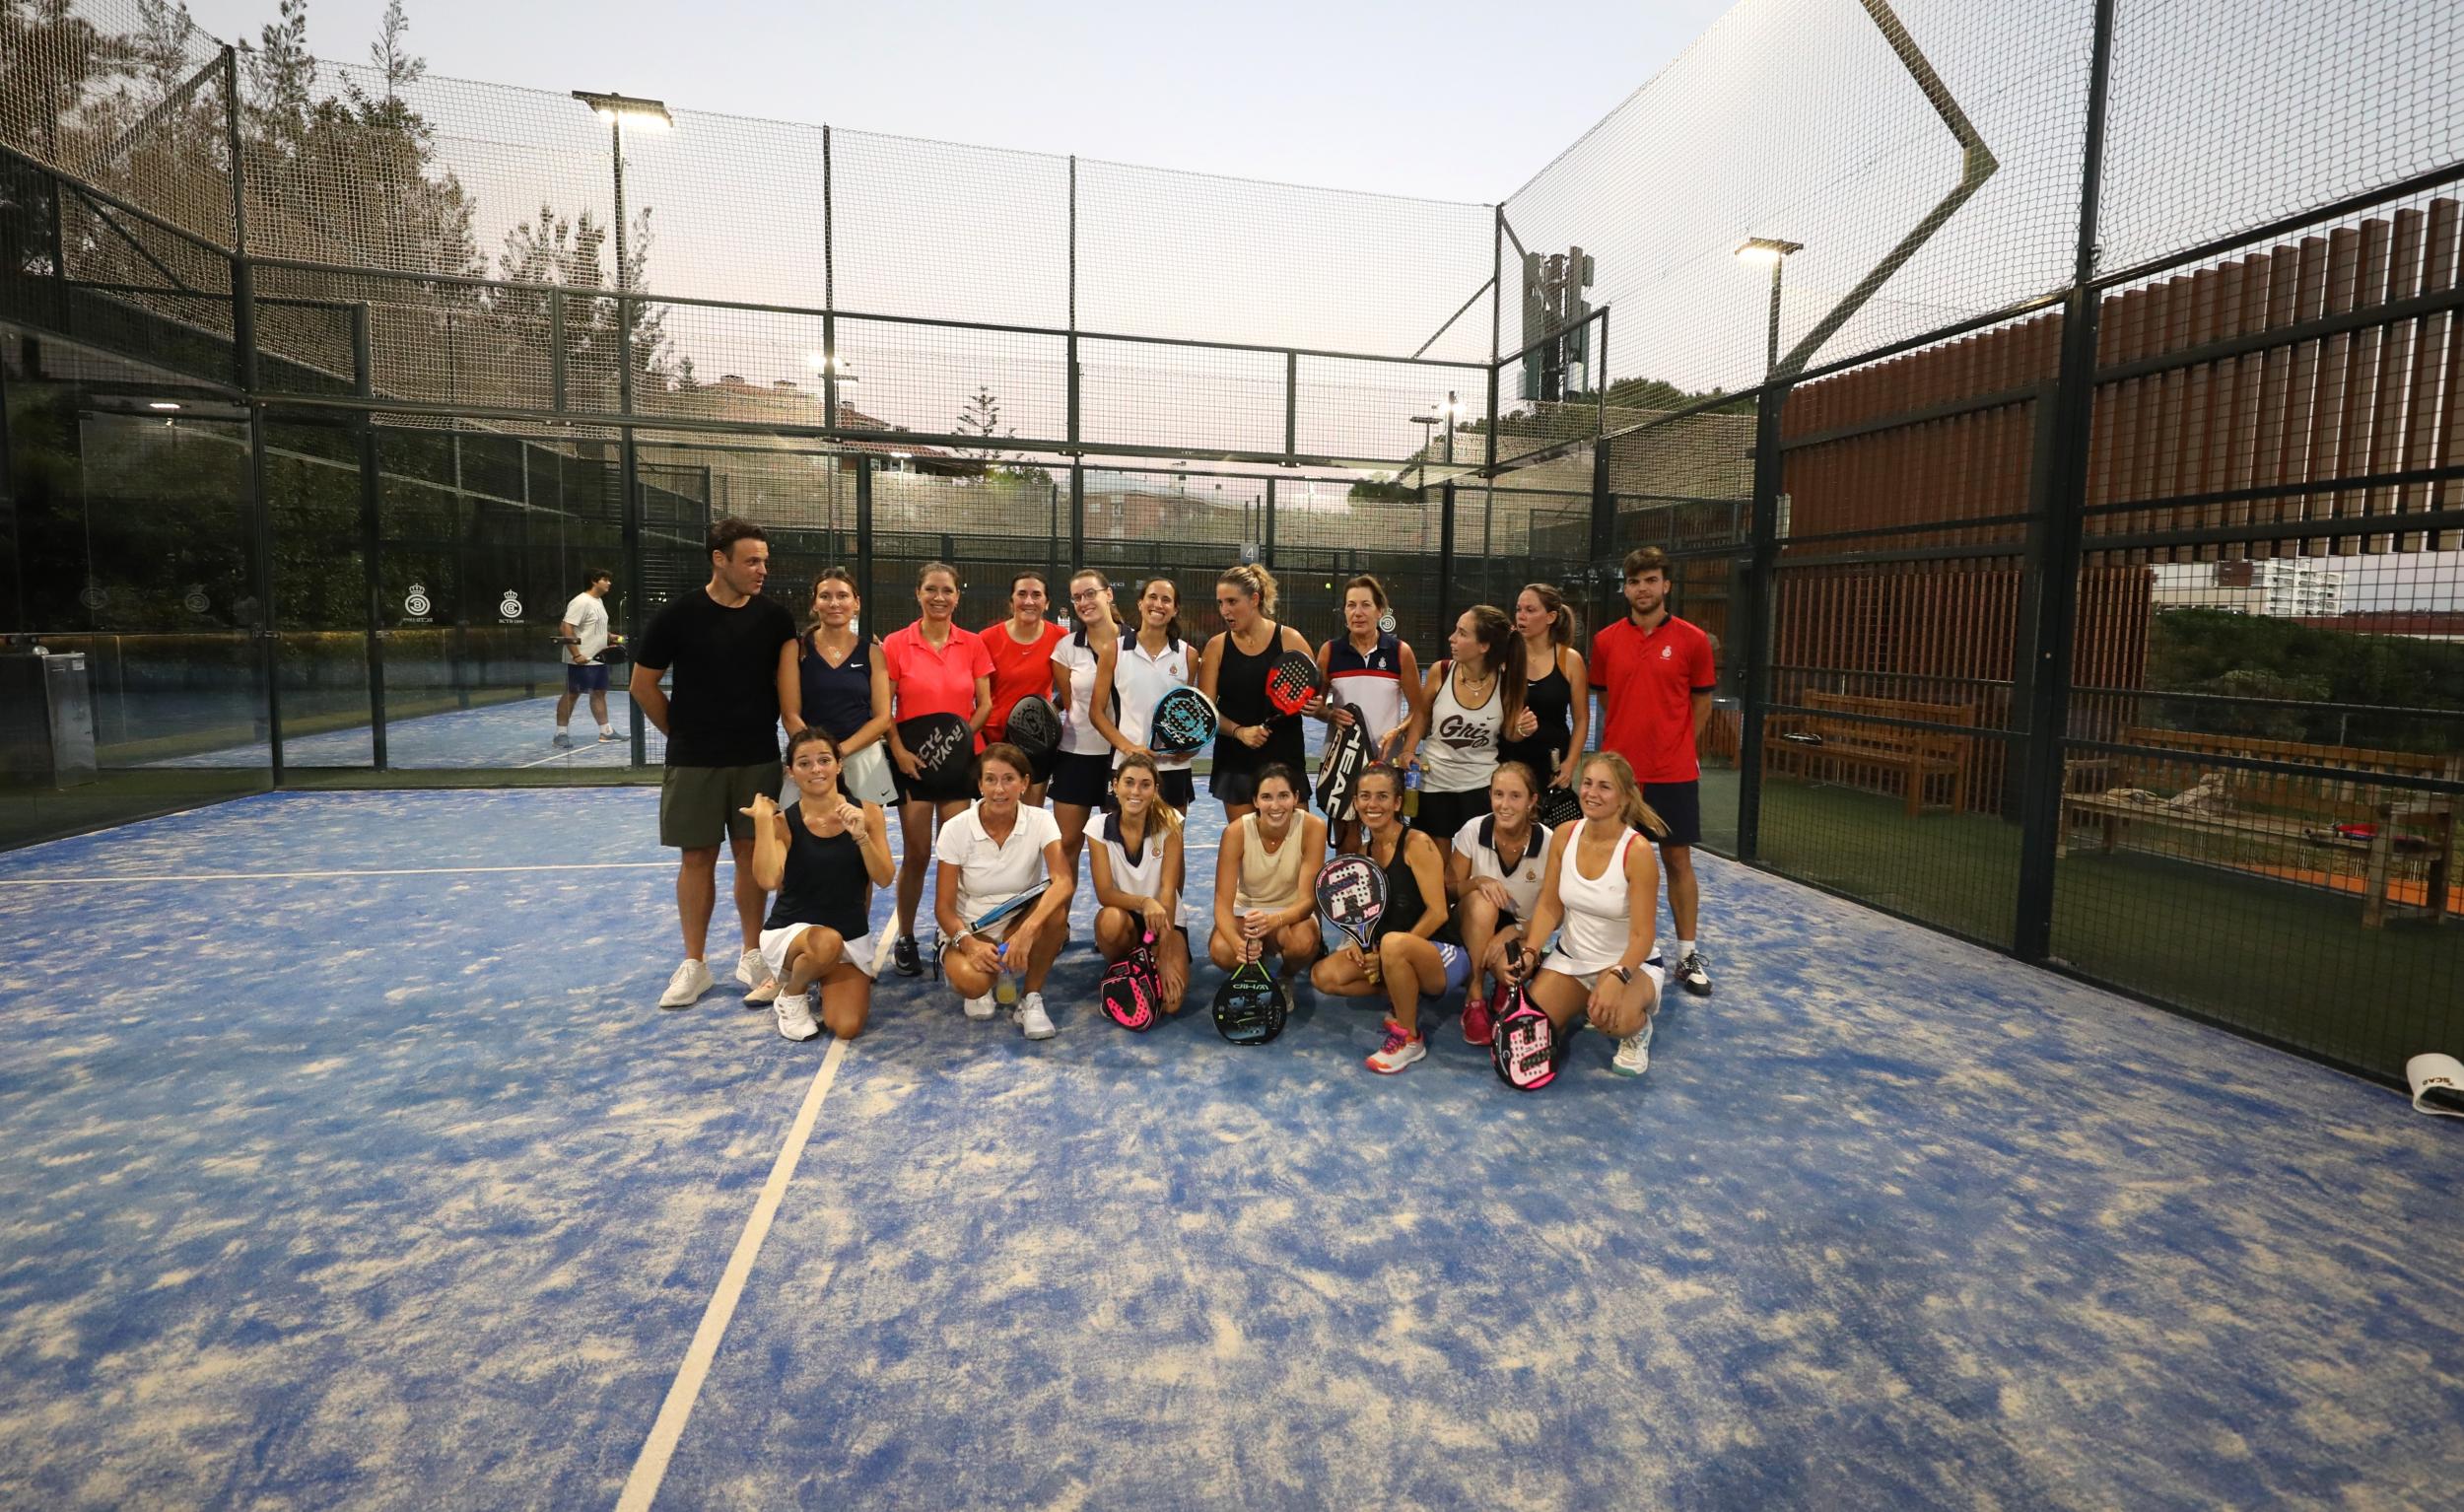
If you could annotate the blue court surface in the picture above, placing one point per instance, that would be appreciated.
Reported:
(517, 734)
(350, 1164)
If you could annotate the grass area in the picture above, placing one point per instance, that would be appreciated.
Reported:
(2288, 962)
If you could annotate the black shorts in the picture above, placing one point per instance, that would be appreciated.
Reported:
(1680, 805)
(1178, 787)
(1083, 780)
(1443, 814)
(959, 786)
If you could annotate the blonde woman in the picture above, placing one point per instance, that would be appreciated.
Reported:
(1494, 872)
(1602, 886)
(1233, 674)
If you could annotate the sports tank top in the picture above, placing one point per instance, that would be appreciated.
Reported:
(1372, 682)
(837, 699)
(823, 883)
(1142, 875)
(1404, 903)
(1241, 697)
(1597, 910)
(1460, 753)
(1552, 702)
(1268, 881)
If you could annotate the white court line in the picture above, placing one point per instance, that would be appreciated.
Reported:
(568, 755)
(651, 1467)
(284, 876)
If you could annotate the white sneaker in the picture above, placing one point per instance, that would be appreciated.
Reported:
(686, 986)
(1033, 1021)
(1633, 1055)
(980, 1009)
(754, 972)
(796, 1017)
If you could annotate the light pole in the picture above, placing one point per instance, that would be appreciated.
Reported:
(616, 110)
(1773, 250)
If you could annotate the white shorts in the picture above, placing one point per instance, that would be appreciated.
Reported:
(1559, 963)
(774, 942)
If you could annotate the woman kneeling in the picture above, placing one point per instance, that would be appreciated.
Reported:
(1605, 889)
(1414, 955)
(823, 856)
(1137, 869)
(990, 853)
(1262, 875)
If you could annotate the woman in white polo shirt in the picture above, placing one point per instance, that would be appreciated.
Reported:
(1153, 663)
(1493, 873)
(1137, 867)
(994, 850)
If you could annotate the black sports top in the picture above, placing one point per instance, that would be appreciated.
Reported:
(1552, 702)
(1241, 698)
(823, 883)
(1404, 903)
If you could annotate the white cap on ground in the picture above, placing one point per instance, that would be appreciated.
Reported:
(2438, 1085)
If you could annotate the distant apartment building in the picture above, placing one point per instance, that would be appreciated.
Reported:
(2282, 587)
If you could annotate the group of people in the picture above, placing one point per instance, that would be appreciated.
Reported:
(1479, 891)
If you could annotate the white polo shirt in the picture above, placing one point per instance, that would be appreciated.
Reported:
(990, 874)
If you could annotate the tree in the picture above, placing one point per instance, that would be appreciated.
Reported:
(981, 415)
(1381, 487)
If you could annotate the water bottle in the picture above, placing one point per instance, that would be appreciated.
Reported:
(1411, 790)
(1005, 984)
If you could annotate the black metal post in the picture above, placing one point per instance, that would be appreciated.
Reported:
(637, 581)
(1754, 616)
(1771, 347)
(1266, 549)
(1291, 404)
(372, 531)
(864, 531)
(1446, 556)
(1077, 511)
(829, 296)
(2053, 560)
(243, 350)
(556, 349)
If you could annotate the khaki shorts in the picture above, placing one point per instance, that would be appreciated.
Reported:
(703, 806)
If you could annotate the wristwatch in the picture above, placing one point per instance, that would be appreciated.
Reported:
(1624, 973)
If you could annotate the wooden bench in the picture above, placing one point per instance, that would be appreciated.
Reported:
(2175, 787)
(1842, 744)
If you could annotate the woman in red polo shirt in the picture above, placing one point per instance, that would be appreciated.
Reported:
(934, 667)
(1021, 648)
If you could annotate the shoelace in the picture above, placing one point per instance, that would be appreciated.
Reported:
(1396, 1040)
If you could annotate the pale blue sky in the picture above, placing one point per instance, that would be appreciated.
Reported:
(1399, 99)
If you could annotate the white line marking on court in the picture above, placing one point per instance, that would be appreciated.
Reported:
(642, 1486)
(284, 876)
(567, 755)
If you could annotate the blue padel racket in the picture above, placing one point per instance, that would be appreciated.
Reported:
(1184, 721)
(1351, 894)
(1523, 1047)
(1034, 725)
(1250, 1007)
(1132, 989)
(941, 745)
(1292, 681)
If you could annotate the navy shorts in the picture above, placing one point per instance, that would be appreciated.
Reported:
(1680, 805)
(585, 678)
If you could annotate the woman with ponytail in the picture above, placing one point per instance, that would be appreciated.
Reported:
(1558, 689)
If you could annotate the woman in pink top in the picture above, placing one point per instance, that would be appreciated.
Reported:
(934, 667)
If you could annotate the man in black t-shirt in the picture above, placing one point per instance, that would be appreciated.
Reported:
(723, 643)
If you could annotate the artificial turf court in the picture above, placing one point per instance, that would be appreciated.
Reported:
(349, 1164)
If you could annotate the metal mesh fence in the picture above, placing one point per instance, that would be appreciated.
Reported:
(2074, 491)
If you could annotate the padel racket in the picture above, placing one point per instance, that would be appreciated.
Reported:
(1559, 805)
(1250, 1007)
(1183, 722)
(998, 920)
(1133, 988)
(941, 745)
(1034, 725)
(1292, 680)
(1339, 769)
(1351, 894)
(1522, 1044)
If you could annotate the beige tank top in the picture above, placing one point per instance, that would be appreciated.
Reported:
(1269, 880)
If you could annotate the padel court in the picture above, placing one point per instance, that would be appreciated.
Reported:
(350, 1165)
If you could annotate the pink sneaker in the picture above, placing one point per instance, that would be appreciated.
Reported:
(1398, 1051)
(1479, 1023)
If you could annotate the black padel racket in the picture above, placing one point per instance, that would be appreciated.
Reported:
(1250, 1007)
(1351, 894)
(1559, 805)
(1184, 721)
(1034, 725)
(1339, 769)
(1522, 1045)
(1292, 681)
(941, 745)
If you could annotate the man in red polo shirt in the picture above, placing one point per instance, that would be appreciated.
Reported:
(1655, 676)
